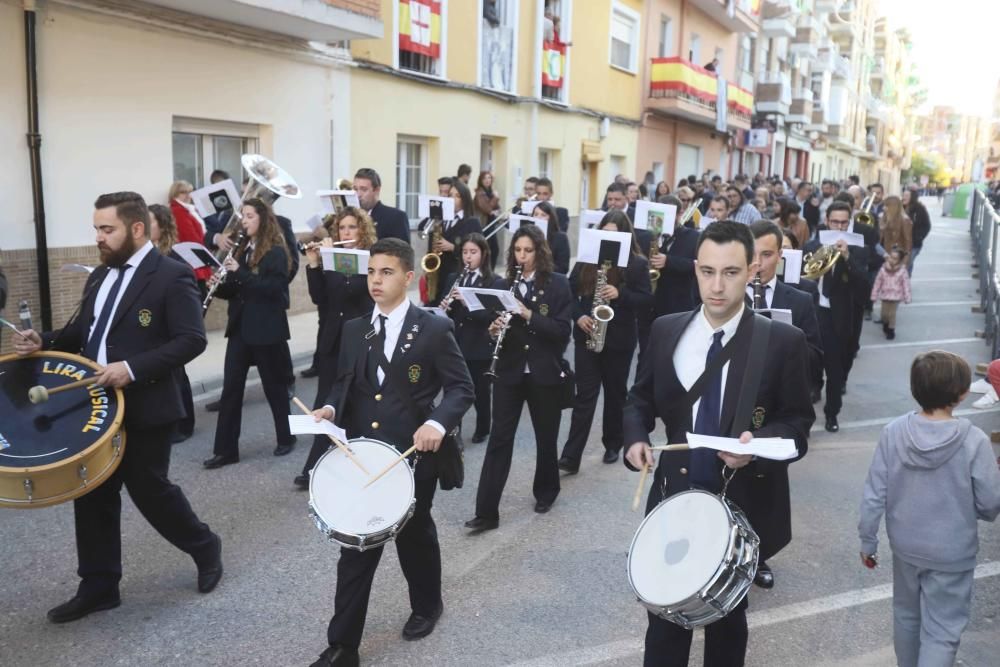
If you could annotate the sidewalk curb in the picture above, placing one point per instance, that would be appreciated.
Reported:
(211, 386)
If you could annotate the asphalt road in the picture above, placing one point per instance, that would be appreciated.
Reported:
(542, 590)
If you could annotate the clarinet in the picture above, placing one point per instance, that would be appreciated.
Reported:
(446, 302)
(220, 274)
(504, 326)
(758, 293)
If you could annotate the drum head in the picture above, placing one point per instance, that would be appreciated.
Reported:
(33, 436)
(679, 547)
(338, 497)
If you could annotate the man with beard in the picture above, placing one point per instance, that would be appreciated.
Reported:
(141, 321)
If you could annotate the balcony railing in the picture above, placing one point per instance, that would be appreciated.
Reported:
(774, 93)
(681, 88)
(817, 122)
(778, 20)
(806, 41)
(801, 108)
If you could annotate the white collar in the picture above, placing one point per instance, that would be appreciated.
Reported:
(729, 327)
(395, 317)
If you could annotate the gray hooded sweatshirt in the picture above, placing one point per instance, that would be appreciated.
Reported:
(932, 480)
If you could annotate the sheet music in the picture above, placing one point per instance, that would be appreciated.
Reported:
(776, 449)
(307, 425)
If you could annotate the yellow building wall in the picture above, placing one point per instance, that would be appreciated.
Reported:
(378, 50)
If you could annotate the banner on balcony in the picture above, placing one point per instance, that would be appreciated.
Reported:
(420, 27)
(553, 63)
(721, 107)
(740, 100)
(677, 74)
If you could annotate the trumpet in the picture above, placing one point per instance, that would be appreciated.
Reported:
(820, 261)
(504, 326)
(445, 304)
(220, 274)
(864, 216)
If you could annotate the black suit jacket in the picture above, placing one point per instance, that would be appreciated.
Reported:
(425, 364)
(635, 296)
(782, 405)
(542, 342)
(291, 244)
(471, 328)
(258, 299)
(677, 288)
(340, 297)
(390, 221)
(563, 216)
(164, 295)
(804, 317)
(849, 289)
(216, 224)
(559, 244)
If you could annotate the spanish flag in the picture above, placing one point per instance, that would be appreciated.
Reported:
(420, 27)
(553, 63)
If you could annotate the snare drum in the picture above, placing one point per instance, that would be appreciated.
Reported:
(351, 515)
(693, 558)
(60, 449)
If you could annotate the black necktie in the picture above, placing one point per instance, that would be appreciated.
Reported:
(704, 461)
(469, 280)
(529, 288)
(827, 284)
(94, 343)
(376, 354)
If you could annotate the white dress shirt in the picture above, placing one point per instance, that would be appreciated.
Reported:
(768, 291)
(523, 290)
(102, 297)
(692, 349)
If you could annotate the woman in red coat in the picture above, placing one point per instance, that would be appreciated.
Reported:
(190, 226)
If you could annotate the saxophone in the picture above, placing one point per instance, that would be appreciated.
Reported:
(431, 262)
(601, 312)
(506, 317)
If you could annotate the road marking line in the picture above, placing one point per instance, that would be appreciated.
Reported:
(919, 343)
(938, 304)
(882, 421)
(627, 648)
(941, 280)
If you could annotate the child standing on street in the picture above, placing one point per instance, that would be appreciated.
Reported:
(892, 285)
(933, 475)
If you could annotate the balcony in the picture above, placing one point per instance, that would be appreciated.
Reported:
(844, 23)
(826, 6)
(681, 89)
(876, 109)
(745, 18)
(824, 60)
(801, 109)
(818, 121)
(774, 93)
(309, 20)
(777, 20)
(807, 38)
(841, 68)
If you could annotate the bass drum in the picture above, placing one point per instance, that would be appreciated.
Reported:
(60, 449)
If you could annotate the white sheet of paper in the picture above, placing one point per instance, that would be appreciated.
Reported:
(590, 245)
(590, 218)
(196, 255)
(307, 425)
(777, 449)
(831, 236)
(647, 212)
(216, 197)
(76, 268)
(332, 257)
(528, 206)
(315, 222)
(516, 221)
(334, 200)
(472, 302)
(778, 314)
(424, 207)
(793, 265)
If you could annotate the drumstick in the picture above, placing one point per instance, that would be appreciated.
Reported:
(670, 448)
(39, 394)
(13, 328)
(390, 466)
(341, 446)
(642, 485)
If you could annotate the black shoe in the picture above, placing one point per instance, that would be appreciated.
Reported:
(338, 656)
(418, 627)
(218, 461)
(542, 507)
(479, 524)
(310, 372)
(610, 456)
(568, 466)
(281, 450)
(479, 437)
(81, 606)
(302, 481)
(213, 406)
(210, 573)
(764, 577)
(831, 425)
(890, 334)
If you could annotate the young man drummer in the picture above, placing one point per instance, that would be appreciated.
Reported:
(681, 348)
(392, 363)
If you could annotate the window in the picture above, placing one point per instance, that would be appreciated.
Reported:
(497, 45)
(545, 163)
(666, 37)
(411, 170)
(694, 53)
(486, 154)
(617, 165)
(200, 147)
(555, 49)
(421, 27)
(624, 37)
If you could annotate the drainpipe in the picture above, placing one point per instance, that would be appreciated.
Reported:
(34, 150)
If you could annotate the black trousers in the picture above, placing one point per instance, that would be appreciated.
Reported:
(327, 366)
(143, 471)
(286, 361)
(419, 557)
(483, 387)
(645, 325)
(838, 356)
(185, 426)
(545, 415)
(609, 369)
(274, 379)
(669, 645)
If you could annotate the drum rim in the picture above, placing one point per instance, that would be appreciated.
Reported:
(107, 437)
(725, 502)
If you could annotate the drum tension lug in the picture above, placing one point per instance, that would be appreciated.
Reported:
(29, 489)
(83, 473)
(116, 442)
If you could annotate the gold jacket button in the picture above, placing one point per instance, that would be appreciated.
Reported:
(374, 425)
(378, 397)
(684, 471)
(527, 347)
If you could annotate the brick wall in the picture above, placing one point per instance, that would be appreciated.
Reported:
(370, 8)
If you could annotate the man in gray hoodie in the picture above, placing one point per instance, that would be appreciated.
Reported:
(933, 476)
